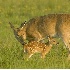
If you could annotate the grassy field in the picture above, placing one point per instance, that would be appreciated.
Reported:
(11, 51)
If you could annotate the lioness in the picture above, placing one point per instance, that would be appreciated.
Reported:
(51, 24)
(39, 28)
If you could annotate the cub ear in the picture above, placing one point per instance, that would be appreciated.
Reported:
(48, 37)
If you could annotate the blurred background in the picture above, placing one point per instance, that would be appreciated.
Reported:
(18, 11)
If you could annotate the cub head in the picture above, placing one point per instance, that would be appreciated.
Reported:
(52, 40)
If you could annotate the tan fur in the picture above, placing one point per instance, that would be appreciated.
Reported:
(63, 28)
(38, 47)
(39, 28)
(51, 24)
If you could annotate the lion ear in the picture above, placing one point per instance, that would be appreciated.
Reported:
(25, 23)
(21, 28)
(17, 29)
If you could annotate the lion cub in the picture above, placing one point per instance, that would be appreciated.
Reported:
(38, 47)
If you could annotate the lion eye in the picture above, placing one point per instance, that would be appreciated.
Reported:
(53, 41)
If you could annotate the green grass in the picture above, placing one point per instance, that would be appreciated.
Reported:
(11, 51)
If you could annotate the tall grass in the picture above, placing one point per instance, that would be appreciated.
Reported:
(11, 51)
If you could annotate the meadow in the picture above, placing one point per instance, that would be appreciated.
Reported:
(11, 51)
